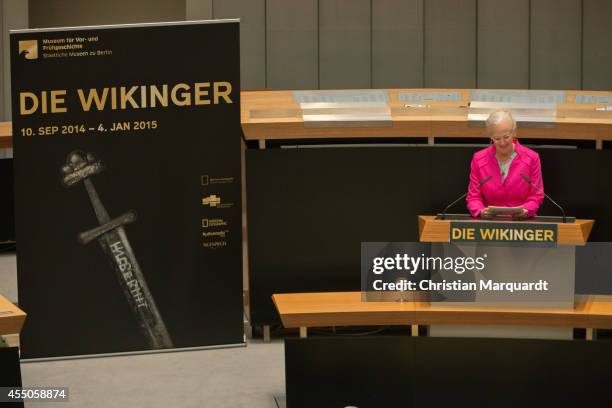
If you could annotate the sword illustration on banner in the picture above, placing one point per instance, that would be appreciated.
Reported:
(111, 236)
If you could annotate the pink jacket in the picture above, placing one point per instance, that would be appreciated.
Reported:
(514, 191)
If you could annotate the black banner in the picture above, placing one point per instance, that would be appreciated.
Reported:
(127, 187)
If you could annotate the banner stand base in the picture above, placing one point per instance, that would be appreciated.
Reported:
(132, 353)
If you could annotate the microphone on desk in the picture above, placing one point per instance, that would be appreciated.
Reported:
(530, 182)
(443, 213)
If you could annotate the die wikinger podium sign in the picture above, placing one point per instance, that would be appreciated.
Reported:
(525, 232)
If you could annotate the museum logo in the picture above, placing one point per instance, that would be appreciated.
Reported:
(207, 180)
(28, 49)
(211, 200)
(214, 201)
(213, 222)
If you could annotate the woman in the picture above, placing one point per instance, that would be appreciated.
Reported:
(504, 174)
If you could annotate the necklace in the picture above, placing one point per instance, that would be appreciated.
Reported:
(504, 165)
(503, 161)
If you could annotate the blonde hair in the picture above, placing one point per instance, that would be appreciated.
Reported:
(497, 117)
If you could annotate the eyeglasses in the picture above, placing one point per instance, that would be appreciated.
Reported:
(505, 136)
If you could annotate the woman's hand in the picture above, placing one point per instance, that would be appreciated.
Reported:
(486, 214)
(522, 215)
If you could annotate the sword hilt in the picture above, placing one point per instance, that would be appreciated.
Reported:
(80, 166)
(88, 236)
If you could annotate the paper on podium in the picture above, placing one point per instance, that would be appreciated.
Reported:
(495, 210)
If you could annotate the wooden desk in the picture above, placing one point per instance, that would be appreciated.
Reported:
(305, 310)
(6, 135)
(274, 115)
(339, 309)
(267, 115)
(11, 317)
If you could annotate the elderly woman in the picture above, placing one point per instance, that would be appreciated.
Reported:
(504, 174)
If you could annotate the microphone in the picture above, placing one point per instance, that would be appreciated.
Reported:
(443, 214)
(530, 182)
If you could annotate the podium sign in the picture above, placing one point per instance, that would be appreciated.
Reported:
(533, 234)
(128, 197)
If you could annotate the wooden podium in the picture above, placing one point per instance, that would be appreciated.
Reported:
(550, 260)
(11, 317)
(11, 322)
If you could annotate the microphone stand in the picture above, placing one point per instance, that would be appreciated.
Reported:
(530, 182)
(442, 215)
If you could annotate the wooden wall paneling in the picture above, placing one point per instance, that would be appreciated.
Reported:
(198, 9)
(450, 43)
(503, 44)
(292, 60)
(344, 44)
(252, 14)
(397, 43)
(70, 13)
(556, 44)
(597, 45)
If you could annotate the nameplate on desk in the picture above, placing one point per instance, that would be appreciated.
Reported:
(341, 96)
(593, 99)
(538, 234)
(429, 96)
(518, 96)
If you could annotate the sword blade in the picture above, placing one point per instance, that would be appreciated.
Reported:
(116, 245)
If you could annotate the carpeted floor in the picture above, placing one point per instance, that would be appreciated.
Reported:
(246, 377)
